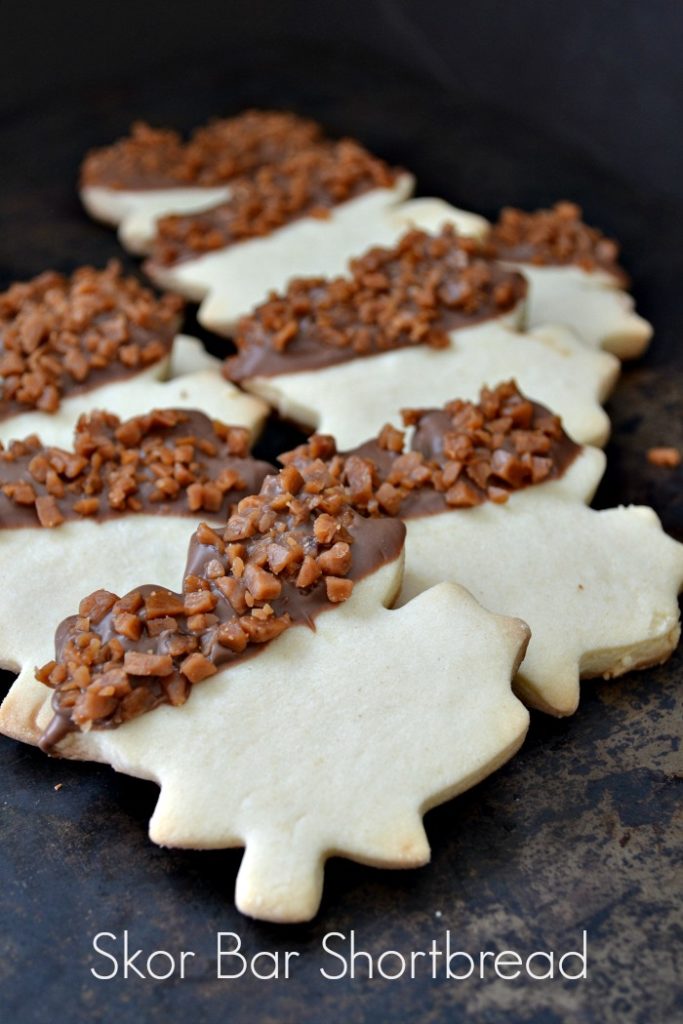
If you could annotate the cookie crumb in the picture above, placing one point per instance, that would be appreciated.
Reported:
(666, 457)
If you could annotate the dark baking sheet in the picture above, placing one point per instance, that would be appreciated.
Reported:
(581, 830)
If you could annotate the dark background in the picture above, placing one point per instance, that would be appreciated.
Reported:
(603, 76)
(489, 103)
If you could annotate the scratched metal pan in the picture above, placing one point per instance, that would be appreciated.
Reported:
(577, 832)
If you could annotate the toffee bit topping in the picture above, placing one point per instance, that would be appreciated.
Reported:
(461, 456)
(221, 150)
(62, 335)
(285, 555)
(668, 458)
(169, 460)
(307, 184)
(552, 237)
(413, 293)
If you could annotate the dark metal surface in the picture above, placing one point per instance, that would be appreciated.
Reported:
(581, 830)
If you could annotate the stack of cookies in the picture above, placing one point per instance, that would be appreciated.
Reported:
(308, 656)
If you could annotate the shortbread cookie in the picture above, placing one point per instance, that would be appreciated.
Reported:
(296, 743)
(152, 172)
(124, 500)
(309, 214)
(574, 277)
(97, 339)
(410, 325)
(494, 497)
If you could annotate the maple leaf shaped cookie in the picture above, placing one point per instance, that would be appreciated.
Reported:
(99, 340)
(494, 496)
(409, 326)
(598, 588)
(574, 277)
(298, 743)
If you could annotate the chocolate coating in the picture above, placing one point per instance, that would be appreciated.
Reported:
(168, 462)
(153, 158)
(555, 237)
(286, 556)
(413, 293)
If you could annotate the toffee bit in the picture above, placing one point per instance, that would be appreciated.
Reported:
(136, 663)
(667, 458)
(338, 589)
(60, 334)
(47, 511)
(94, 607)
(197, 667)
(286, 554)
